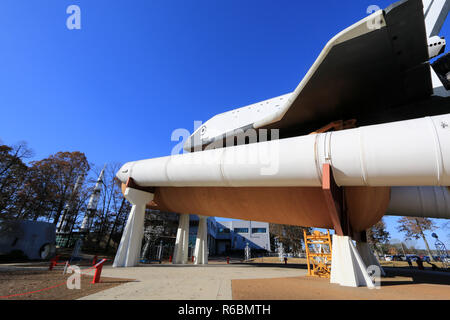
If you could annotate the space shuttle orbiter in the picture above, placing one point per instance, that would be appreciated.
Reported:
(365, 133)
(376, 71)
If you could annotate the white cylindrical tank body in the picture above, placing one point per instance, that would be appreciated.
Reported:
(405, 153)
(430, 202)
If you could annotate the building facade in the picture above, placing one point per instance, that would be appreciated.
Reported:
(234, 236)
(224, 237)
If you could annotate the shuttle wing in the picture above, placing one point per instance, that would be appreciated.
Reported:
(377, 63)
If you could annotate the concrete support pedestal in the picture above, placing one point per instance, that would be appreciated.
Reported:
(180, 254)
(130, 245)
(368, 257)
(347, 266)
(201, 244)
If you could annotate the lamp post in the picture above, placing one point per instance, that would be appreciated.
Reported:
(441, 250)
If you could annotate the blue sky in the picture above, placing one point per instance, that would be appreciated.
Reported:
(137, 70)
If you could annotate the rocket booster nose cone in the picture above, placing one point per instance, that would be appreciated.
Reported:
(125, 172)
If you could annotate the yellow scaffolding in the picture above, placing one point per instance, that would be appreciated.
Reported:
(321, 260)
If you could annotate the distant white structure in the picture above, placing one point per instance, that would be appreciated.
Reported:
(93, 201)
(280, 250)
(247, 252)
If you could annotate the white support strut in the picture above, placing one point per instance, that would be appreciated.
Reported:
(180, 254)
(347, 266)
(201, 244)
(130, 245)
(368, 257)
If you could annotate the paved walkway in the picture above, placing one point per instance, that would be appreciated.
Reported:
(400, 284)
(172, 282)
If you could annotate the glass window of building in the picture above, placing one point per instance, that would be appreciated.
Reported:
(258, 230)
(224, 230)
(193, 223)
(241, 230)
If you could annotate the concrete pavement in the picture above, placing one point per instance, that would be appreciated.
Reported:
(186, 282)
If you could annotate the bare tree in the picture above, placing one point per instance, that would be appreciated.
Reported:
(13, 174)
(446, 226)
(378, 236)
(111, 208)
(414, 229)
(51, 184)
(290, 236)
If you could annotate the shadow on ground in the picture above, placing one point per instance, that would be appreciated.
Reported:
(416, 276)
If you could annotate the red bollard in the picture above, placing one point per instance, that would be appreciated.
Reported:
(192, 258)
(170, 259)
(94, 261)
(228, 260)
(53, 262)
(98, 271)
